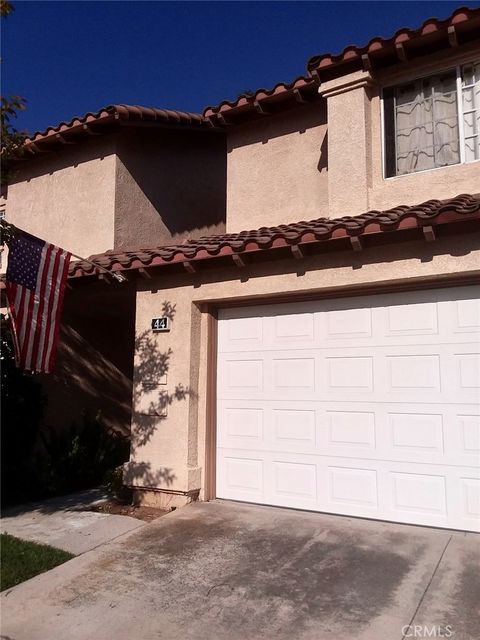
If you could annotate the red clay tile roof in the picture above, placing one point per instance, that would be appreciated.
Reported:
(298, 90)
(461, 27)
(433, 212)
(463, 24)
(114, 113)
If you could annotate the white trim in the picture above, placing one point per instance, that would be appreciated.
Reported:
(382, 135)
(461, 128)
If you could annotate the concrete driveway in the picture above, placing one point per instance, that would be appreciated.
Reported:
(233, 571)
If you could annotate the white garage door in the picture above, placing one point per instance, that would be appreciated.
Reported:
(364, 406)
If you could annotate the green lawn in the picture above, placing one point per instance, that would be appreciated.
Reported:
(21, 560)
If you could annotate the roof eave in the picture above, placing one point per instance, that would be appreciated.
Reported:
(310, 243)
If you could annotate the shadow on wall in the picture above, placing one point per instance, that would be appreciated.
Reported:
(323, 160)
(151, 400)
(95, 357)
(88, 382)
(174, 181)
(141, 474)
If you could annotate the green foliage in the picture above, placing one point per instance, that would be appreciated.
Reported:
(6, 8)
(113, 482)
(22, 560)
(78, 457)
(11, 138)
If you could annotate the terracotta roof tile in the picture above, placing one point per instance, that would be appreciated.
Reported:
(380, 51)
(458, 19)
(250, 100)
(465, 21)
(403, 217)
(116, 113)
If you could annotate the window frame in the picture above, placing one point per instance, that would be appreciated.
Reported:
(461, 129)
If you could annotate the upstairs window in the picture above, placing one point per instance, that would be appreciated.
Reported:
(433, 122)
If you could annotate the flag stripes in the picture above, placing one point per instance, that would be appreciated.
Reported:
(35, 283)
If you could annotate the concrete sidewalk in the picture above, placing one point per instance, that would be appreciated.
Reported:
(228, 571)
(64, 522)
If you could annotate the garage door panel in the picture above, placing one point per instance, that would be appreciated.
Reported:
(294, 427)
(351, 323)
(366, 406)
(469, 433)
(242, 476)
(470, 502)
(345, 431)
(353, 486)
(242, 375)
(440, 496)
(417, 433)
(427, 373)
(345, 324)
(293, 373)
(466, 316)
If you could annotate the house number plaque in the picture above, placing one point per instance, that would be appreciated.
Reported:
(161, 324)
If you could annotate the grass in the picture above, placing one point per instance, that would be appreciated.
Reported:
(21, 560)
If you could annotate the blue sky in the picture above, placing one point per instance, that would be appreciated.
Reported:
(67, 58)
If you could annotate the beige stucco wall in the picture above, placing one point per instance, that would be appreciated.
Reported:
(168, 452)
(440, 183)
(355, 178)
(281, 168)
(67, 197)
(350, 144)
(169, 185)
(277, 169)
(137, 188)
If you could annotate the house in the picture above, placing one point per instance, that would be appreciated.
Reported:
(121, 177)
(328, 358)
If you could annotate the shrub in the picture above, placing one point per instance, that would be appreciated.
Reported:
(114, 484)
(79, 457)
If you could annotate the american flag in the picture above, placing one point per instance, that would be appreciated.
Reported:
(35, 284)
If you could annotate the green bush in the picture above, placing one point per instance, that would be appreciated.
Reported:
(113, 482)
(79, 457)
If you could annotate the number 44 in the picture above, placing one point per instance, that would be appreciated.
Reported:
(160, 324)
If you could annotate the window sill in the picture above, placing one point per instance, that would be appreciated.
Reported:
(416, 173)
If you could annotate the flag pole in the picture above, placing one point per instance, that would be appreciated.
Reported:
(10, 229)
(117, 276)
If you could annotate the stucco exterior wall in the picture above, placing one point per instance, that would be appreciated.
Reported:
(356, 181)
(277, 169)
(350, 152)
(169, 185)
(440, 183)
(94, 359)
(67, 197)
(168, 451)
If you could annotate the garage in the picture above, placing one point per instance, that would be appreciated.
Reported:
(363, 406)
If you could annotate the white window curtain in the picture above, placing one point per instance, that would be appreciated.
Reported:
(426, 124)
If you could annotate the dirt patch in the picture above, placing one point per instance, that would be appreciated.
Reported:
(147, 514)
